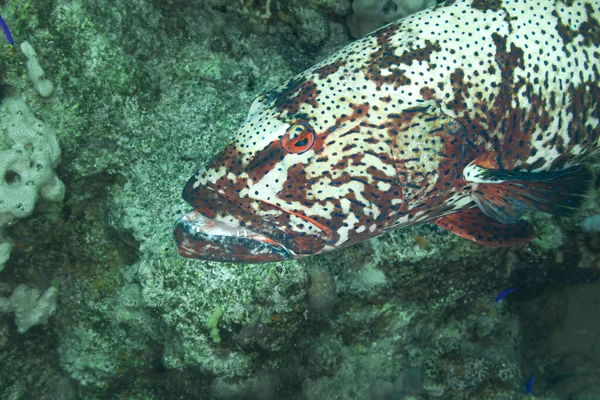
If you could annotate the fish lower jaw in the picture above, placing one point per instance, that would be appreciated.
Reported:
(203, 238)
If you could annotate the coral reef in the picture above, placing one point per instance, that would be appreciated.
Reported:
(29, 153)
(144, 93)
(43, 86)
(29, 306)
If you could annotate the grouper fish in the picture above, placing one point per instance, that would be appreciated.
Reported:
(465, 115)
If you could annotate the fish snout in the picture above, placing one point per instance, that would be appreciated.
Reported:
(196, 236)
(224, 228)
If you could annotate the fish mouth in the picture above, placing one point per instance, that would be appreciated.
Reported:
(202, 233)
(207, 239)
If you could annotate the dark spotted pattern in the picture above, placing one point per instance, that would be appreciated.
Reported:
(397, 118)
(483, 5)
(294, 94)
(326, 70)
(588, 31)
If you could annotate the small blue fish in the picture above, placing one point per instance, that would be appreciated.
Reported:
(6, 31)
(504, 293)
(529, 384)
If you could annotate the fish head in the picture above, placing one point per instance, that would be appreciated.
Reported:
(248, 203)
(314, 169)
(284, 187)
(290, 186)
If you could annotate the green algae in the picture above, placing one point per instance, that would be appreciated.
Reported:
(212, 323)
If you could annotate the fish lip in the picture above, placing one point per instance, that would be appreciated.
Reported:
(200, 237)
(249, 237)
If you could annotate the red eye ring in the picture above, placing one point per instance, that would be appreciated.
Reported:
(299, 138)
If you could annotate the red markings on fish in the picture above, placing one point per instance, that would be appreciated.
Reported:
(452, 116)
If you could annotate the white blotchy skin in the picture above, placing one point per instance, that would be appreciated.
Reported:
(515, 83)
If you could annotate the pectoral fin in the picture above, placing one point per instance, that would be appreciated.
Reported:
(475, 225)
(507, 195)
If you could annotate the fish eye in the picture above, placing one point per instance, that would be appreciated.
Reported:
(298, 138)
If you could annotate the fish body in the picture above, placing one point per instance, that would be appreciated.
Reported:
(529, 384)
(6, 32)
(504, 293)
(466, 115)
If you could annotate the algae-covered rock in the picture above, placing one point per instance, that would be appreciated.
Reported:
(144, 94)
(222, 318)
